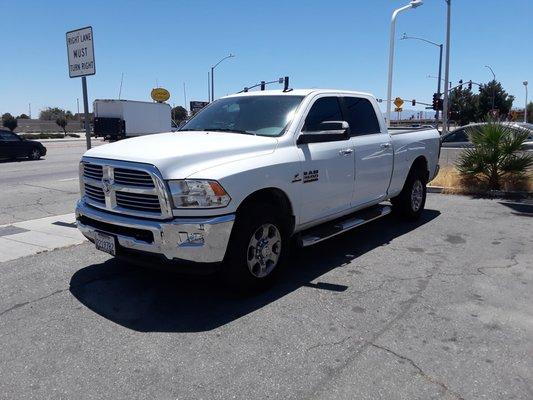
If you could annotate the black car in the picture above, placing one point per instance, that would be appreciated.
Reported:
(12, 146)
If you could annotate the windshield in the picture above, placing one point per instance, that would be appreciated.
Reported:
(255, 115)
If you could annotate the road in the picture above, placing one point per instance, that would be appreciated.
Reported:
(36, 189)
(439, 309)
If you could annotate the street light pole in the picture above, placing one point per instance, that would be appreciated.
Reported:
(493, 85)
(412, 4)
(525, 106)
(446, 69)
(213, 75)
(440, 64)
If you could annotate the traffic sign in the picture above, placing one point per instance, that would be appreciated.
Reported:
(80, 50)
(398, 109)
(398, 102)
(196, 106)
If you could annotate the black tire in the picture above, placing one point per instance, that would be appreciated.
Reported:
(34, 154)
(237, 270)
(412, 199)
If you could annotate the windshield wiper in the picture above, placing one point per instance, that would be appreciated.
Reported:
(230, 130)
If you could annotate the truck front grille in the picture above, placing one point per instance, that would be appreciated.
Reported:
(132, 177)
(124, 187)
(92, 171)
(138, 201)
(95, 193)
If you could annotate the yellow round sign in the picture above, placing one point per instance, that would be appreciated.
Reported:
(160, 95)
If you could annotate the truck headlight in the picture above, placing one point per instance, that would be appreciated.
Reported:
(191, 193)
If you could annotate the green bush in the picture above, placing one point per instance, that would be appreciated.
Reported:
(496, 155)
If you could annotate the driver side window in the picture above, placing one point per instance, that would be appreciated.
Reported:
(8, 136)
(325, 109)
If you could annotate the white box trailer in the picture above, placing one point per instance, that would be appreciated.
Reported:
(118, 119)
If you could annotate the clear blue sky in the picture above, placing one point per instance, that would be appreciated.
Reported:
(334, 43)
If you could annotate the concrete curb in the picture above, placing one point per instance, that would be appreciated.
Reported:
(488, 194)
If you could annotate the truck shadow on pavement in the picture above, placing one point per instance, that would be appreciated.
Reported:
(148, 300)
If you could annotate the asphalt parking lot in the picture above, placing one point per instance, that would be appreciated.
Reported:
(438, 309)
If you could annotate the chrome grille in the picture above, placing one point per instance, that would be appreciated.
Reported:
(132, 177)
(92, 171)
(138, 201)
(124, 187)
(95, 193)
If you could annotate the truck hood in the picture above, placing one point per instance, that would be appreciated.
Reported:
(178, 155)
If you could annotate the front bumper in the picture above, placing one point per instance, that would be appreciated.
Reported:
(201, 240)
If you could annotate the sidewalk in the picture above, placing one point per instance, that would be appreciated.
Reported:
(25, 238)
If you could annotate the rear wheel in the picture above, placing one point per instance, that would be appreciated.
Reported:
(257, 248)
(34, 154)
(412, 199)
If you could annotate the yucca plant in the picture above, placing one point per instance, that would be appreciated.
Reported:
(495, 156)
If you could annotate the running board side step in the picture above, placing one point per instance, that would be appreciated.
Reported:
(341, 225)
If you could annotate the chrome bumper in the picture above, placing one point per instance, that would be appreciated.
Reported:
(201, 240)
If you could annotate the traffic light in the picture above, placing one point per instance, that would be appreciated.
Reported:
(413, 103)
(440, 104)
(460, 83)
(470, 85)
(435, 103)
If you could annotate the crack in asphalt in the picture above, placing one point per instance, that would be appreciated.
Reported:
(19, 305)
(323, 384)
(328, 344)
(23, 304)
(513, 260)
(49, 188)
(419, 370)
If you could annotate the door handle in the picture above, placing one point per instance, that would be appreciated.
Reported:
(345, 152)
(385, 145)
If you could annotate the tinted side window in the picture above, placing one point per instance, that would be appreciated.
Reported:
(361, 116)
(324, 109)
(8, 136)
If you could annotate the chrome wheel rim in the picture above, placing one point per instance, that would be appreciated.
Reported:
(35, 154)
(264, 249)
(417, 194)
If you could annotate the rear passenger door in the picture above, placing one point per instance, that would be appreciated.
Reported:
(373, 151)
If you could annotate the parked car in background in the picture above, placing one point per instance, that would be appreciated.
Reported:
(458, 138)
(12, 146)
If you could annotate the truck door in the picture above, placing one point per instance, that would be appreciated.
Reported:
(326, 177)
(373, 151)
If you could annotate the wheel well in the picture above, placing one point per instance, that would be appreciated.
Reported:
(420, 164)
(274, 196)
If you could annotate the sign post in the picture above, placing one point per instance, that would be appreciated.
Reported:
(80, 50)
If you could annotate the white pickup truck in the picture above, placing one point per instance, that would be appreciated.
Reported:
(247, 174)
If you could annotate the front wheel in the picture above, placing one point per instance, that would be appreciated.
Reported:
(257, 248)
(35, 154)
(412, 199)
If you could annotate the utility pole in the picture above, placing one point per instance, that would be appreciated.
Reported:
(184, 96)
(446, 69)
(493, 85)
(29, 106)
(439, 78)
(412, 4)
(230, 55)
(525, 106)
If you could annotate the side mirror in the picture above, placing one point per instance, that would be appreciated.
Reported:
(327, 131)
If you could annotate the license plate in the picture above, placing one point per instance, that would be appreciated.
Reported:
(105, 243)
